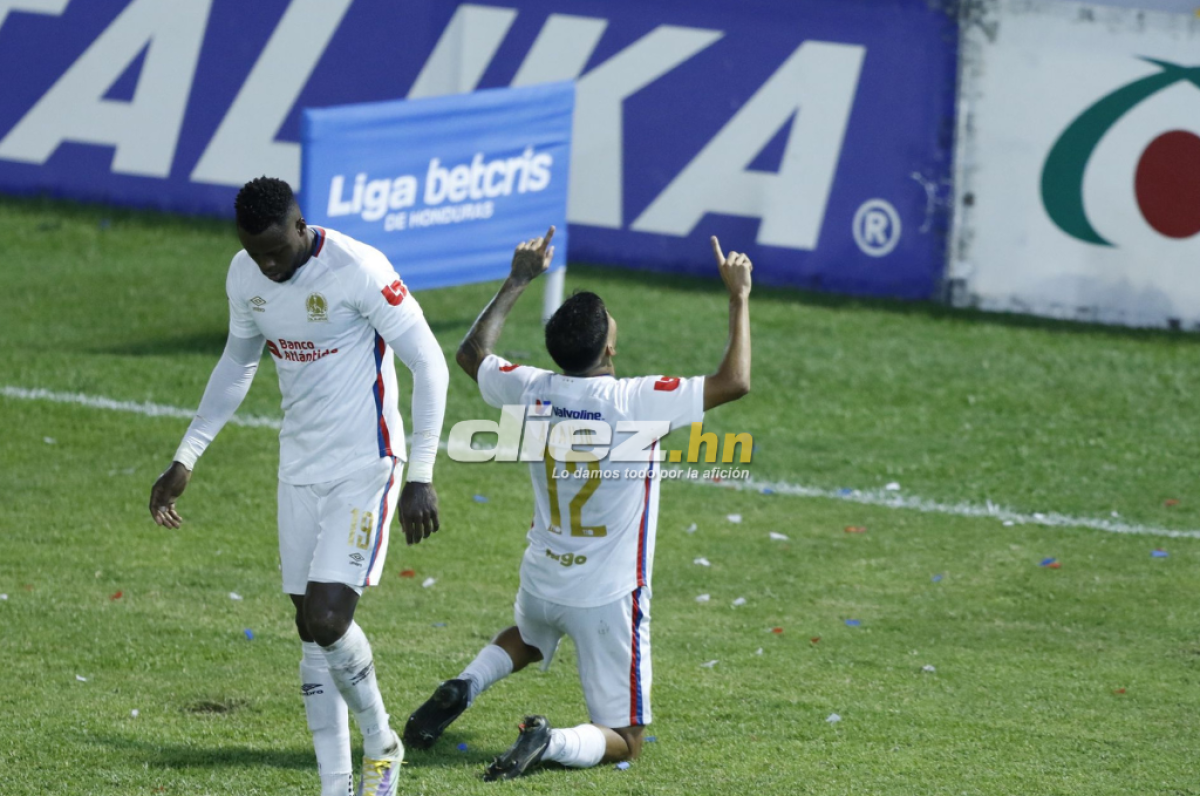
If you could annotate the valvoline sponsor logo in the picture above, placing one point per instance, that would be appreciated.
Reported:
(576, 414)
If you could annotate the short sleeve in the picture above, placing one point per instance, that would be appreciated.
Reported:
(381, 296)
(502, 383)
(676, 400)
(241, 319)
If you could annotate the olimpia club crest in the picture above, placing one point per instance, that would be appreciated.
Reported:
(1167, 181)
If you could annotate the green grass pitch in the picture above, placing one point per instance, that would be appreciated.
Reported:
(1079, 680)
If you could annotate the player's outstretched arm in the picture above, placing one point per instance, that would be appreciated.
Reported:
(227, 386)
(732, 379)
(531, 259)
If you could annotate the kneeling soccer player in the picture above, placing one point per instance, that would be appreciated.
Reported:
(586, 572)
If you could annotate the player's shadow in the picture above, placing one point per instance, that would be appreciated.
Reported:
(173, 756)
(211, 343)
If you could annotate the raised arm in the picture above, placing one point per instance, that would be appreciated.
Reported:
(530, 260)
(227, 387)
(732, 379)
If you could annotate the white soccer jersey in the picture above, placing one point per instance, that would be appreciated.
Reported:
(592, 539)
(325, 329)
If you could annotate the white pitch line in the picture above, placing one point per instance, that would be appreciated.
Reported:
(141, 408)
(870, 497)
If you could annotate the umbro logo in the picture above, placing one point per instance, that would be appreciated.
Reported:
(312, 689)
(258, 302)
(357, 556)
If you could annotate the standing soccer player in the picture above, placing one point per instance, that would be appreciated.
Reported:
(331, 310)
(586, 572)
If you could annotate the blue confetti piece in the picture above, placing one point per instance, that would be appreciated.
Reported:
(845, 491)
(249, 634)
(651, 738)
(480, 499)
(623, 765)
(937, 578)
(462, 747)
(1047, 562)
(439, 624)
(853, 622)
(768, 491)
(1159, 553)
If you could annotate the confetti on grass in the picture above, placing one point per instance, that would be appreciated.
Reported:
(690, 529)
(853, 622)
(425, 584)
(893, 487)
(1159, 553)
(937, 578)
(651, 738)
(1170, 502)
(408, 573)
(249, 634)
(702, 562)
(134, 713)
(856, 529)
(734, 517)
(235, 596)
(81, 678)
(739, 601)
(777, 631)
(116, 596)
(709, 664)
(703, 598)
(833, 718)
(928, 668)
(462, 747)
(623, 765)
(480, 499)
(778, 537)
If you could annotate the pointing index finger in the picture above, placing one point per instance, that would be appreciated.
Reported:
(549, 237)
(716, 247)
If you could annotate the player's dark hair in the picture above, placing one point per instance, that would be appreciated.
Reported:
(577, 332)
(262, 202)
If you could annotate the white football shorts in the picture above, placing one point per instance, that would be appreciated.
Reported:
(337, 532)
(613, 644)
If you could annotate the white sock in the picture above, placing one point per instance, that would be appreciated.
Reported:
(353, 670)
(578, 747)
(327, 720)
(490, 666)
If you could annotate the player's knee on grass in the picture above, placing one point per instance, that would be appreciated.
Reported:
(629, 745)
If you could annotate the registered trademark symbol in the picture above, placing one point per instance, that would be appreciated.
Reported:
(876, 227)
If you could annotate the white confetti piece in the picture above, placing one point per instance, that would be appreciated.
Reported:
(928, 668)
(50, 440)
(892, 487)
(779, 537)
(1009, 523)
(425, 584)
(759, 651)
(702, 562)
(235, 596)
(709, 664)
(81, 678)
(740, 601)
(734, 517)
(1037, 515)
(690, 529)
(1115, 514)
(703, 598)
(3, 596)
(134, 713)
(833, 718)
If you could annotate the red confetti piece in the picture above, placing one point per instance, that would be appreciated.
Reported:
(408, 573)
(716, 479)
(777, 630)
(116, 596)
(856, 529)
(815, 639)
(1119, 691)
(27, 586)
(1055, 565)
(1170, 502)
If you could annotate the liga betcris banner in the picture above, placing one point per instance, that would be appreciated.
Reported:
(816, 136)
(445, 186)
(1079, 159)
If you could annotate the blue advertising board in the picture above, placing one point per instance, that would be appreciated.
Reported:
(444, 186)
(816, 136)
